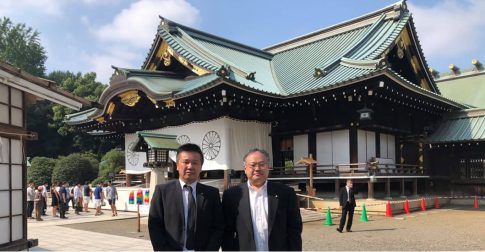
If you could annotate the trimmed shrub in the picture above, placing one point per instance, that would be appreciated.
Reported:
(73, 169)
(112, 162)
(40, 171)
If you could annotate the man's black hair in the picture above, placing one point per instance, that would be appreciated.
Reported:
(190, 147)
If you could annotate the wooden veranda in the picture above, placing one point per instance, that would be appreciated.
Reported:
(363, 172)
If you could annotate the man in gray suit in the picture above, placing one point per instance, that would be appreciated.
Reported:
(185, 214)
(261, 215)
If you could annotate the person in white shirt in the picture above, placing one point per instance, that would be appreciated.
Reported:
(30, 199)
(112, 196)
(271, 220)
(78, 198)
(44, 194)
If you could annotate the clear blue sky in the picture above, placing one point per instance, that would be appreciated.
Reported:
(92, 35)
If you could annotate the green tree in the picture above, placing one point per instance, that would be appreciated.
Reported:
(20, 46)
(80, 85)
(112, 162)
(62, 139)
(40, 171)
(73, 169)
(93, 159)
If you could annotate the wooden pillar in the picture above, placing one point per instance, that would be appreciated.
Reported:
(388, 188)
(312, 144)
(370, 189)
(378, 144)
(128, 180)
(415, 187)
(227, 179)
(148, 180)
(353, 144)
(337, 188)
(276, 147)
(403, 188)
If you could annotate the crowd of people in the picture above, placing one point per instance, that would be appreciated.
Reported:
(259, 215)
(61, 195)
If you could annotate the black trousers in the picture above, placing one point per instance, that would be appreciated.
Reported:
(62, 209)
(44, 208)
(30, 208)
(348, 208)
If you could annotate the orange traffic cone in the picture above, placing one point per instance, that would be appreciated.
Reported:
(388, 209)
(406, 206)
(423, 205)
(436, 202)
(475, 202)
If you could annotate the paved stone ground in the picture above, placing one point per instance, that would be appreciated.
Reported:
(54, 234)
(438, 229)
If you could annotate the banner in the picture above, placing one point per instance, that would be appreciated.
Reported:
(131, 198)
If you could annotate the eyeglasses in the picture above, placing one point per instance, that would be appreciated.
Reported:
(260, 165)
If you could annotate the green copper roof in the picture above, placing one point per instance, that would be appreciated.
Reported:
(155, 141)
(291, 70)
(467, 88)
(339, 55)
(464, 126)
(81, 117)
(295, 67)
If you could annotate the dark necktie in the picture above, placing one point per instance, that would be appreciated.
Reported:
(191, 217)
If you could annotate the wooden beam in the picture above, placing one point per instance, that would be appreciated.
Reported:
(370, 189)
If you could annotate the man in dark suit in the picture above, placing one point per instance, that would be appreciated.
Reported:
(347, 205)
(261, 215)
(185, 214)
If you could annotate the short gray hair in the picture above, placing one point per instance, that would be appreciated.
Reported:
(251, 151)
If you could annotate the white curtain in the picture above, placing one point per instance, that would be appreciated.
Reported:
(366, 145)
(224, 141)
(333, 147)
(300, 147)
(388, 146)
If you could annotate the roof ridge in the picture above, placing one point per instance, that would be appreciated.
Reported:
(356, 44)
(220, 40)
(358, 21)
(424, 91)
(420, 53)
(205, 52)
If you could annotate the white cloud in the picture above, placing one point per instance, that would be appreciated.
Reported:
(126, 40)
(115, 56)
(85, 20)
(450, 28)
(137, 25)
(100, 2)
(13, 8)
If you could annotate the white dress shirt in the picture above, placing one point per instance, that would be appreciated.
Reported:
(77, 192)
(185, 197)
(258, 201)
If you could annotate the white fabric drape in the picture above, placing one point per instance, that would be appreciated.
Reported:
(232, 139)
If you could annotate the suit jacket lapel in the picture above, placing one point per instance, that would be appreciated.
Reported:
(179, 204)
(200, 199)
(272, 206)
(245, 209)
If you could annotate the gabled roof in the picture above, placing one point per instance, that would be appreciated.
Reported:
(340, 55)
(40, 87)
(466, 86)
(146, 140)
(463, 126)
(341, 52)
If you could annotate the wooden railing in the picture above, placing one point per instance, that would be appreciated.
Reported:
(351, 169)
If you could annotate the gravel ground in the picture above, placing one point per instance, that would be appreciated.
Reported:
(440, 229)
